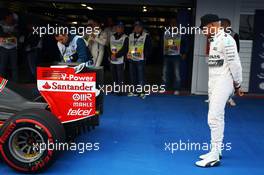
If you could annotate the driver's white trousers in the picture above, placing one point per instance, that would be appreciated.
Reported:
(219, 91)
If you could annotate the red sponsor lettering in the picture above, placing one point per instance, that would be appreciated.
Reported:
(7, 132)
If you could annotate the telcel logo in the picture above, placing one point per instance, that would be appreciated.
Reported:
(79, 112)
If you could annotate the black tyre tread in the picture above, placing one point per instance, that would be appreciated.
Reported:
(43, 115)
(48, 118)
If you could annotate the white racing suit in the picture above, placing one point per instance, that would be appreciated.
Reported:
(225, 71)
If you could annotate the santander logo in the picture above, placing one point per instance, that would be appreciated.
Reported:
(66, 86)
(46, 86)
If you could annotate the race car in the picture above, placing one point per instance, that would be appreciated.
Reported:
(65, 102)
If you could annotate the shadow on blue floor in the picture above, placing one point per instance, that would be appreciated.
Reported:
(133, 133)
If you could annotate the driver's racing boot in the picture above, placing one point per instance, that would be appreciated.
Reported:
(204, 156)
(211, 160)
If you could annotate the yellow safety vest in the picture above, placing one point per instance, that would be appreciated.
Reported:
(172, 45)
(116, 46)
(136, 46)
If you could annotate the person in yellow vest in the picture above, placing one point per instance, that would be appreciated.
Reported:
(139, 51)
(118, 50)
(174, 49)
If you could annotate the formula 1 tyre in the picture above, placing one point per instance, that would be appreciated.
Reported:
(26, 137)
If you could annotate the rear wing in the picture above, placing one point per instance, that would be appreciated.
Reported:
(71, 96)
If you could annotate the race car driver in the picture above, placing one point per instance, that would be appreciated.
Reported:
(73, 49)
(225, 75)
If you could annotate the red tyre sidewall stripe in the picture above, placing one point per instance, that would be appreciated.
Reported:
(9, 162)
(25, 121)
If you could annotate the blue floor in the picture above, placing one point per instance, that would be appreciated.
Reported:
(133, 133)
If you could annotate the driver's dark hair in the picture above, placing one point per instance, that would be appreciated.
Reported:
(226, 20)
